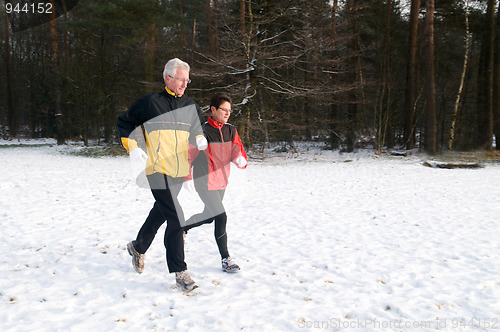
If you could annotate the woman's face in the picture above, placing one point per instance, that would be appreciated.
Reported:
(222, 113)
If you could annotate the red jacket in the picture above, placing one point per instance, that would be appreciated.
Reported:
(212, 167)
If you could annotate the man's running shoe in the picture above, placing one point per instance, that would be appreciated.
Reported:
(184, 281)
(137, 259)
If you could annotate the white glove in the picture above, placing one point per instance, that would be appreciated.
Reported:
(138, 155)
(241, 161)
(138, 160)
(202, 143)
(189, 186)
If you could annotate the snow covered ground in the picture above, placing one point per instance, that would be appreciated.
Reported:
(326, 241)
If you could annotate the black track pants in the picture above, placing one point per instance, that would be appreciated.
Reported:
(165, 208)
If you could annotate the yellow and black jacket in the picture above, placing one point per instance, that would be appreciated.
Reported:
(163, 124)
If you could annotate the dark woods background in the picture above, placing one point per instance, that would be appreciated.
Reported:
(351, 73)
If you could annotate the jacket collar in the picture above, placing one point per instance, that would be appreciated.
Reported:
(214, 123)
(172, 93)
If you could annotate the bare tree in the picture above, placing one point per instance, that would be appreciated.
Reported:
(430, 83)
(210, 29)
(150, 55)
(354, 72)
(462, 79)
(11, 113)
(486, 78)
(496, 93)
(411, 76)
(54, 35)
(267, 50)
(384, 132)
(334, 138)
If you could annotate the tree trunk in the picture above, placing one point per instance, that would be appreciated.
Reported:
(59, 116)
(210, 29)
(11, 113)
(485, 82)
(496, 87)
(150, 57)
(462, 79)
(354, 65)
(66, 37)
(385, 121)
(411, 76)
(242, 17)
(491, 78)
(430, 82)
(334, 139)
(248, 92)
(215, 33)
(182, 39)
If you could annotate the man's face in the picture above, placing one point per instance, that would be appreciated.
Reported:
(179, 82)
(222, 113)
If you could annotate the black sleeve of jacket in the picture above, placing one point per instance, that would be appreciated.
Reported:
(129, 120)
(196, 125)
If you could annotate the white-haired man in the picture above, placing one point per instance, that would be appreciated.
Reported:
(168, 122)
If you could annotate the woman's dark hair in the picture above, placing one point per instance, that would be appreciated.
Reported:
(218, 98)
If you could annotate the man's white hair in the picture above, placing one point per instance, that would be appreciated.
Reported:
(171, 67)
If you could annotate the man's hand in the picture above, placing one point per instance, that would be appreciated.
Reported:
(138, 155)
(201, 143)
(138, 160)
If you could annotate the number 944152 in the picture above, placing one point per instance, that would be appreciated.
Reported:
(39, 8)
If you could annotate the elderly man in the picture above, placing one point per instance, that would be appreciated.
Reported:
(168, 121)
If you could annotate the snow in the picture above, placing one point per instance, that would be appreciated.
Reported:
(325, 241)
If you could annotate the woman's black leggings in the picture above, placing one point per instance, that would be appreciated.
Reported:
(214, 210)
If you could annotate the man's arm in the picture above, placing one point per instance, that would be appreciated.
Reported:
(127, 122)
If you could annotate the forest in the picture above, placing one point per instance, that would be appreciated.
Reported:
(415, 74)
